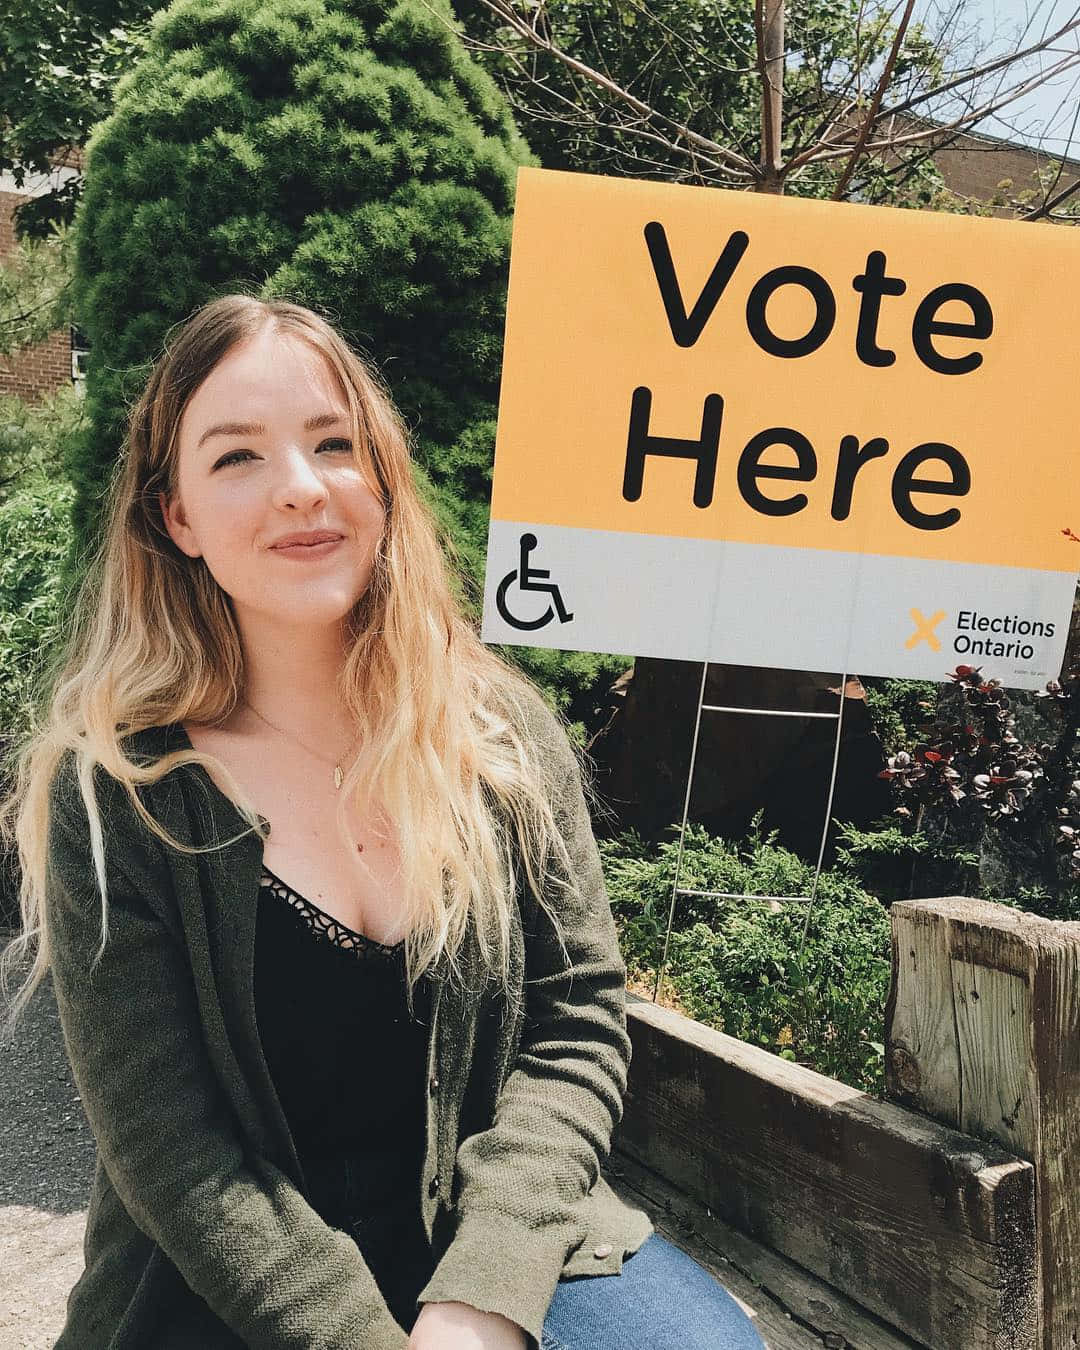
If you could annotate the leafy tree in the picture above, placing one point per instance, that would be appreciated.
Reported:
(59, 63)
(823, 98)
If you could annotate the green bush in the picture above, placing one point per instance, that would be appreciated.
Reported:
(35, 438)
(738, 964)
(898, 709)
(35, 532)
(895, 862)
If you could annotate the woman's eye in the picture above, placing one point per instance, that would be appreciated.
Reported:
(237, 456)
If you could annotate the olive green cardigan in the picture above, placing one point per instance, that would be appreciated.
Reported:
(199, 1232)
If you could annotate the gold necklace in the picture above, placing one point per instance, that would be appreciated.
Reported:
(338, 775)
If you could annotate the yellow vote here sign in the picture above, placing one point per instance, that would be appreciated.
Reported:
(781, 432)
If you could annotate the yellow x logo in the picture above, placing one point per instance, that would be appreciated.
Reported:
(924, 629)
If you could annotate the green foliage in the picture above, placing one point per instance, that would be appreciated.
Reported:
(999, 775)
(1050, 180)
(987, 792)
(1063, 902)
(737, 964)
(58, 65)
(34, 439)
(345, 154)
(895, 862)
(898, 709)
(35, 290)
(35, 508)
(33, 535)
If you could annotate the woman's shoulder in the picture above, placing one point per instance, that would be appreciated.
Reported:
(112, 797)
(150, 743)
(536, 719)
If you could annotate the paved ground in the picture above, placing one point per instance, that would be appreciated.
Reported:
(46, 1164)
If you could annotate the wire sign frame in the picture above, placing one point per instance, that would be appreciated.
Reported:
(676, 889)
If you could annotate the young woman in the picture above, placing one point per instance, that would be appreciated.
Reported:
(313, 871)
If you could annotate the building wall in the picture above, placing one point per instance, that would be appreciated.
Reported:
(46, 366)
(976, 166)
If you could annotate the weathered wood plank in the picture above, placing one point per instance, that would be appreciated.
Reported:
(983, 1031)
(928, 1228)
(793, 1309)
(672, 1219)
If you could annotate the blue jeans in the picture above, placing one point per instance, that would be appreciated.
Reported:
(661, 1300)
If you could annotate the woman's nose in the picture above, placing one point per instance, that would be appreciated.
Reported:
(297, 480)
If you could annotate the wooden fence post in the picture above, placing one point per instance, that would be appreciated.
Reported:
(982, 1031)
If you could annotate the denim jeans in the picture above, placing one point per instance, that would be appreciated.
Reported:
(661, 1300)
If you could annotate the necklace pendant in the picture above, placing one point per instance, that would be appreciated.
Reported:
(337, 775)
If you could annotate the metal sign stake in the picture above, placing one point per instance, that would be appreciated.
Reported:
(676, 890)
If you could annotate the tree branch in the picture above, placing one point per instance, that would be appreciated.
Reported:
(503, 10)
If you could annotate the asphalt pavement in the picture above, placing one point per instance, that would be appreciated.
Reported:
(46, 1166)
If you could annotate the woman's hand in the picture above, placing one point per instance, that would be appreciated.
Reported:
(459, 1326)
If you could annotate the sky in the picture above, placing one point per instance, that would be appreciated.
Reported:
(1046, 115)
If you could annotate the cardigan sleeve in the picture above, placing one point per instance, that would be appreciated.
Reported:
(522, 1180)
(237, 1229)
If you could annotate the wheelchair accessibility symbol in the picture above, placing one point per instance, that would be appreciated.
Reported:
(526, 578)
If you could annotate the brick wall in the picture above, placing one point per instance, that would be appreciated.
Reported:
(46, 366)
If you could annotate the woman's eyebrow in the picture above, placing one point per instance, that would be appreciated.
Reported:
(326, 419)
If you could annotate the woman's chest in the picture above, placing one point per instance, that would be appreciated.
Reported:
(356, 879)
(358, 883)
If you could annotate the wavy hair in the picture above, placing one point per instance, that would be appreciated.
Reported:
(438, 715)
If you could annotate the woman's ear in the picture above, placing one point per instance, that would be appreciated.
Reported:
(172, 513)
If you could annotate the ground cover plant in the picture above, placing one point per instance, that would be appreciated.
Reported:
(739, 965)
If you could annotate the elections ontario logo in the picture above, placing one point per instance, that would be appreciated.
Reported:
(979, 633)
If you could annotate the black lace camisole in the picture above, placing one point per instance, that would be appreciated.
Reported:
(349, 1067)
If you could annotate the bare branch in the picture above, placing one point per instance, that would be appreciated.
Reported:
(769, 38)
(1052, 187)
(732, 161)
(1043, 212)
(980, 72)
(965, 120)
(875, 102)
(838, 115)
(583, 120)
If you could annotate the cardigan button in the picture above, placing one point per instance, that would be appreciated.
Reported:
(601, 1252)
(433, 1084)
(433, 1186)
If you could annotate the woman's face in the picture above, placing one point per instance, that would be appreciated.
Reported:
(251, 470)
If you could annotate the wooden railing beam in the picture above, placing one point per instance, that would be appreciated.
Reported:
(983, 1033)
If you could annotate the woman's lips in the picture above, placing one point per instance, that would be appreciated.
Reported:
(308, 552)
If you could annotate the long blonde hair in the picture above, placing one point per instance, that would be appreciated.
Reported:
(438, 714)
